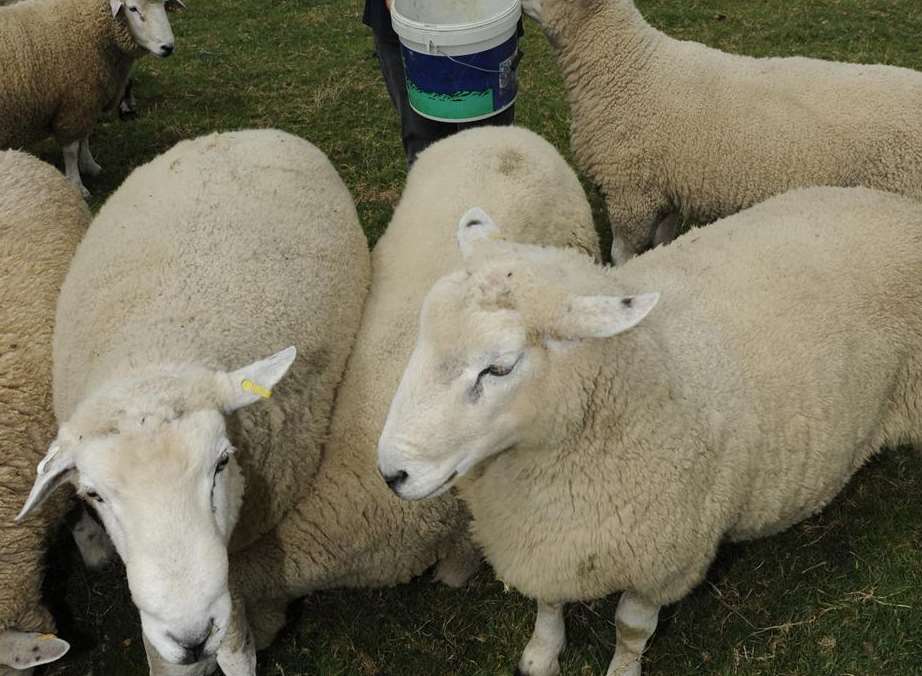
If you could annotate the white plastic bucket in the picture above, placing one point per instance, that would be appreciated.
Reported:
(459, 56)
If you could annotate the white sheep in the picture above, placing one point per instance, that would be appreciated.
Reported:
(785, 353)
(222, 249)
(671, 129)
(65, 61)
(41, 221)
(347, 529)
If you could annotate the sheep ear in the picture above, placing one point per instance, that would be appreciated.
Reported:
(254, 382)
(475, 226)
(116, 6)
(22, 651)
(55, 469)
(603, 316)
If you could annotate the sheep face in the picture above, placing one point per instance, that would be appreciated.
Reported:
(152, 457)
(548, 13)
(533, 9)
(148, 24)
(465, 390)
(168, 493)
(498, 344)
(555, 15)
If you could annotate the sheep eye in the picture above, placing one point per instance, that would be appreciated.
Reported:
(496, 370)
(222, 463)
(93, 495)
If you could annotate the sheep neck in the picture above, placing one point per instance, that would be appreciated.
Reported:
(542, 498)
(116, 43)
(605, 50)
(606, 39)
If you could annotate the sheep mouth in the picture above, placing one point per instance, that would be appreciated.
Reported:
(441, 488)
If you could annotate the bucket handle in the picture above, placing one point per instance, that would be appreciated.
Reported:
(434, 49)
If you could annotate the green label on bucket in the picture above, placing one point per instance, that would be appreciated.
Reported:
(456, 106)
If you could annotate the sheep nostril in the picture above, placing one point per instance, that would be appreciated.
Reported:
(166, 50)
(395, 480)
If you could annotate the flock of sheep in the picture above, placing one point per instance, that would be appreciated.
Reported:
(238, 390)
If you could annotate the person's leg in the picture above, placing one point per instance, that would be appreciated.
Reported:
(505, 118)
(388, 52)
(416, 131)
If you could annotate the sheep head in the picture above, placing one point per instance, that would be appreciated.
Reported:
(494, 341)
(152, 457)
(148, 23)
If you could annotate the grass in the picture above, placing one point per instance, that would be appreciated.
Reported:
(840, 594)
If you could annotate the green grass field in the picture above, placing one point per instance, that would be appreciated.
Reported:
(840, 594)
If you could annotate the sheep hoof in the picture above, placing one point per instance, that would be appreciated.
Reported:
(126, 112)
(521, 672)
(625, 670)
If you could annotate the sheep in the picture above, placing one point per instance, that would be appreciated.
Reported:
(672, 129)
(785, 352)
(86, 49)
(348, 530)
(224, 248)
(41, 221)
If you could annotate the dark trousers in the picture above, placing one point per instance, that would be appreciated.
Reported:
(416, 131)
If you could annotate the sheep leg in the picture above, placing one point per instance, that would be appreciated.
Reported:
(266, 619)
(546, 644)
(636, 219)
(635, 622)
(460, 562)
(237, 654)
(127, 106)
(86, 162)
(666, 229)
(94, 544)
(621, 251)
(72, 166)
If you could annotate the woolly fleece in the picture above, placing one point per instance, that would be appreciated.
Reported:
(673, 127)
(221, 251)
(42, 218)
(349, 529)
(58, 81)
(783, 353)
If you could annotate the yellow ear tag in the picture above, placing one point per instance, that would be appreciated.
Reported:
(46, 637)
(260, 391)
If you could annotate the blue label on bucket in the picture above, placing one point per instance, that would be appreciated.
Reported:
(461, 87)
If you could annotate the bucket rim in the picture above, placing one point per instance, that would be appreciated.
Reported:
(398, 18)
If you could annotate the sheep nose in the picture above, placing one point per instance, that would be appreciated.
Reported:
(394, 481)
(166, 50)
(194, 647)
